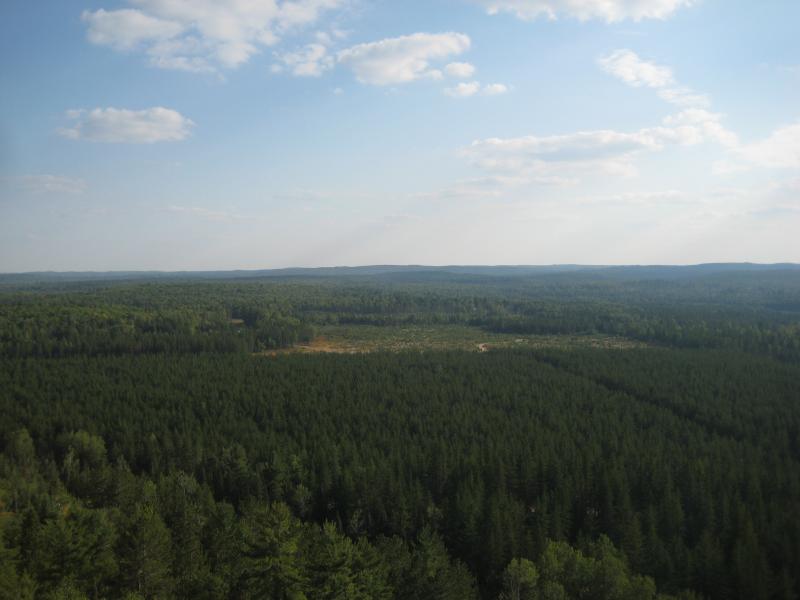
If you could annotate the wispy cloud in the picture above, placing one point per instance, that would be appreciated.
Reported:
(611, 11)
(703, 125)
(495, 89)
(607, 151)
(48, 184)
(627, 66)
(471, 88)
(120, 125)
(310, 61)
(781, 150)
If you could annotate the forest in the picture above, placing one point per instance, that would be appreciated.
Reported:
(622, 434)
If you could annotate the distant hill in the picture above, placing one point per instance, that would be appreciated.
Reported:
(412, 272)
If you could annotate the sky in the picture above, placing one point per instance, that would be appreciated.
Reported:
(248, 134)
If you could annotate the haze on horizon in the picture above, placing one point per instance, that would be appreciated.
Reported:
(240, 134)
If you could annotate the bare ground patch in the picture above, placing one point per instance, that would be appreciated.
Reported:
(358, 339)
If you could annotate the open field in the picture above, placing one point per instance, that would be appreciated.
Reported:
(356, 339)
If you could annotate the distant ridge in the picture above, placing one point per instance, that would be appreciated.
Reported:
(404, 271)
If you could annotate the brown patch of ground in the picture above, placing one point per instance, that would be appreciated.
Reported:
(319, 345)
(323, 344)
(366, 339)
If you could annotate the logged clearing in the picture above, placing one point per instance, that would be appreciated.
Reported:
(357, 339)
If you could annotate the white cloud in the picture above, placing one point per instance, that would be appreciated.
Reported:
(119, 125)
(569, 155)
(696, 123)
(683, 96)
(627, 66)
(704, 125)
(605, 149)
(467, 89)
(48, 184)
(310, 61)
(201, 35)
(181, 54)
(495, 89)
(402, 59)
(463, 90)
(781, 150)
(611, 11)
(460, 70)
(126, 29)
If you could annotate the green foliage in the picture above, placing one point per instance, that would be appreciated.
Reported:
(271, 566)
(146, 453)
(751, 312)
(493, 452)
(342, 569)
(520, 581)
(145, 552)
(599, 572)
(425, 570)
(11, 583)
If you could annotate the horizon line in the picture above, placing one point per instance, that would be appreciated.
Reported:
(145, 271)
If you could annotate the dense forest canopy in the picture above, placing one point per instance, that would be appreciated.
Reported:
(161, 440)
(755, 310)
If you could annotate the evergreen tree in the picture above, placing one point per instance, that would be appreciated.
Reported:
(519, 580)
(145, 555)
(272, 562)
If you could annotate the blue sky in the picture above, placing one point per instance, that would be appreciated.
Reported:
(217, 134)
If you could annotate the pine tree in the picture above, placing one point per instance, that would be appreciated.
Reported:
(271, 567)
(519, 580)
(146, 555)
(11, 584)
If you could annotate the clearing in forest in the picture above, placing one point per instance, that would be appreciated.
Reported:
(356, 339)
